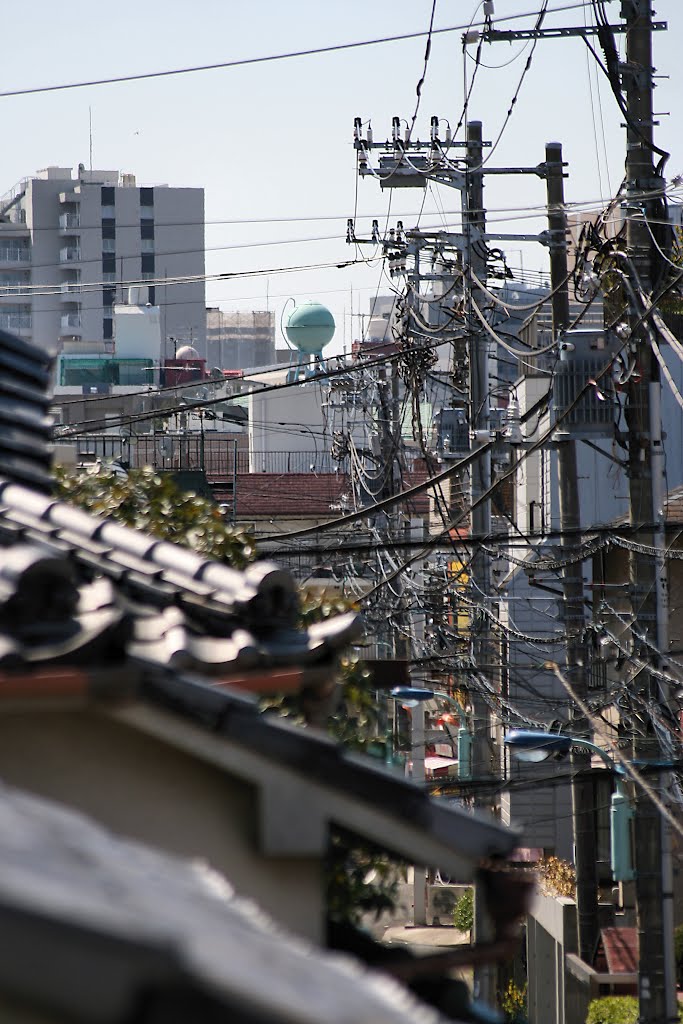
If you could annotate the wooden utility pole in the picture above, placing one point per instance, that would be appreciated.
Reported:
(656, 974)
(583, 810)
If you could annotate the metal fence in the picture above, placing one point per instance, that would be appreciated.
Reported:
(219, 457)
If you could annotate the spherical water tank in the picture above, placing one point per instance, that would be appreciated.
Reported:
(187, 352)
(310, 327)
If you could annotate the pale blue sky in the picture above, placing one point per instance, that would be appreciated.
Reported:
(275, 140)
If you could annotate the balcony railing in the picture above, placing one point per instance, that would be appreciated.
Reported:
(67, 221)
(70, 254)
(215, 454)
(15, 321)
(13, 287)
(15, 254)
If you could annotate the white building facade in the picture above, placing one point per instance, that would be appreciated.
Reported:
(71, 244)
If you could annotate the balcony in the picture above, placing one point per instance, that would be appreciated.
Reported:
(70, 254)
(13, 254)
(18, 323)
(71, 323)
(69, 197)
(69, 222)
(13, 287)
(71, 291)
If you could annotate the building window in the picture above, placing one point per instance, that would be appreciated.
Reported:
(147, 229)
(108, 264)
(152, 295)
(107, 328)
(108, 227)
(108, 195)
(147, 263)
(108, 297)
(146, 197)
(108, 245)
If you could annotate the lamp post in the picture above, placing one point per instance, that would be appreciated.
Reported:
(535, 746)
(415, 697)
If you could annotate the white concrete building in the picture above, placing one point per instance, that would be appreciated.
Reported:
(71, 244)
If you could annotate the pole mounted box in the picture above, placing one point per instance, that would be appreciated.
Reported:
(583, 395)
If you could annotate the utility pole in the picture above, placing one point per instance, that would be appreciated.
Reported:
(644, 184)
(585, 844)
(474, 228)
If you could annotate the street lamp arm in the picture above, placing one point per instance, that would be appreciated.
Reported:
(610, 764)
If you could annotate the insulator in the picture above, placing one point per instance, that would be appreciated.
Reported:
(434, 129)
(395, 128)
(369, 138)
(357, 123)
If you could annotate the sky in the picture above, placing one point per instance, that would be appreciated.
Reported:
(272, 143)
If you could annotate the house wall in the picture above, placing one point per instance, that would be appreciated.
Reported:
(146, 789)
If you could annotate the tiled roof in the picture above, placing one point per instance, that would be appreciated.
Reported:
(618, 950)
(309, 495)
(25, 426)
(285, 495)
(76, 589)
(95, 928)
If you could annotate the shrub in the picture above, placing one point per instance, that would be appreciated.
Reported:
(615, 1010)
(678, 947)
(513, 1004)
(463, 912)
(557, 877)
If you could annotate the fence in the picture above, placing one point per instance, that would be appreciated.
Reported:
(219, 457)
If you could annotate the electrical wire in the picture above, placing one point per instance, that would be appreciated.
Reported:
(247, 61)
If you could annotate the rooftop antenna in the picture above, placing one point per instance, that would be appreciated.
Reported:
(90, 134)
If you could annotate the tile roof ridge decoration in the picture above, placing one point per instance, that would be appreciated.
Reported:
(25, 426)
(264, 595)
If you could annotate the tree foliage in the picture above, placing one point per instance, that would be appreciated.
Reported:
(615, 1010)
(463, 911)
(153, 503)
(557, 877)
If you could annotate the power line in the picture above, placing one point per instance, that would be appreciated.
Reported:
(269, 58)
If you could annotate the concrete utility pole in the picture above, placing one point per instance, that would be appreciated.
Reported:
(474, 227)
(656, 974)
(585, 856)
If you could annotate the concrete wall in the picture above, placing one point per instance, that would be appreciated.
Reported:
(148, 790)
(551, 933)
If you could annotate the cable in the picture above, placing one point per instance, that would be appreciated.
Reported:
(246, 61)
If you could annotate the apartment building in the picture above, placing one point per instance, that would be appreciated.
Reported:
(71, 244)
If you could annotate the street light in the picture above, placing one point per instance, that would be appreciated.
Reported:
(416, 696)
(529, 744)
(536, 746)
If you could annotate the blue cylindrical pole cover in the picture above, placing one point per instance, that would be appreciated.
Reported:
(621, 815)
